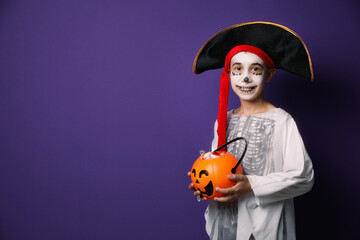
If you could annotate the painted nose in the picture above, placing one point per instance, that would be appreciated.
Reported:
(197, 181)
(246, 79)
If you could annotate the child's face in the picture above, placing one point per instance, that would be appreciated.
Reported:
(248, 74)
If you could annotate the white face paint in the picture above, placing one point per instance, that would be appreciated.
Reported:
(247, 74)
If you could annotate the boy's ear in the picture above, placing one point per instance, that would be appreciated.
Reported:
(270, 74)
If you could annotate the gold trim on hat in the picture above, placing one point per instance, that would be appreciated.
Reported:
(248, 23)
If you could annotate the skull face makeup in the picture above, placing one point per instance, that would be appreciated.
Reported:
(248, 74)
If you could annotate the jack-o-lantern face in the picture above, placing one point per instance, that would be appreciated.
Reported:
(203, 176)
(208, 174)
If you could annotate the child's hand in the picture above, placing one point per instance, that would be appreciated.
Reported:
(240, 189)
(196, 192)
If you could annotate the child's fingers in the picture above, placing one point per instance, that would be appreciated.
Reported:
(203, 199)
(236, 177)
(228, 198)
(191, 187)
(230, 190)
(196, 193)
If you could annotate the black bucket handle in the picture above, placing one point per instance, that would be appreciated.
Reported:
(233, 170)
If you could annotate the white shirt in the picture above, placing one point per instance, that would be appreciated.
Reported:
(278, 168)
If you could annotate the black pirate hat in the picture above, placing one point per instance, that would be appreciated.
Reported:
(281, 44)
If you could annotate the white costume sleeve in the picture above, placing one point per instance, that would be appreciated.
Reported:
(297, 175)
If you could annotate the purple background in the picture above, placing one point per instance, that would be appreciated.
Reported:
(101, 116)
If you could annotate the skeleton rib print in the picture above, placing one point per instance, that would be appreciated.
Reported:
(259, 132)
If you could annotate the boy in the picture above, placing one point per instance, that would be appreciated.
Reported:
(276, 166)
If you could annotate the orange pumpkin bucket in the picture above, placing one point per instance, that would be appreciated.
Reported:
(211, 170)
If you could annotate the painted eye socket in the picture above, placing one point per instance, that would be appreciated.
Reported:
(237, 69)
(256, 70)
(194, 172)
(203, 172)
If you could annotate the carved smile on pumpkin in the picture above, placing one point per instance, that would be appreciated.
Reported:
(209, 189)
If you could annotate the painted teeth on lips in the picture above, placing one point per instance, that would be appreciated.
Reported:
(246, 89)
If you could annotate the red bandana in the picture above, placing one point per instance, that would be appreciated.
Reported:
(225, 83)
